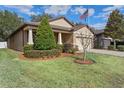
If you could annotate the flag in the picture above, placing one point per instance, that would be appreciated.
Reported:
(84, 15)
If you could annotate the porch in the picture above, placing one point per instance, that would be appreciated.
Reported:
(61, 37)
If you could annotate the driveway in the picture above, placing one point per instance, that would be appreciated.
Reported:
(109, 52)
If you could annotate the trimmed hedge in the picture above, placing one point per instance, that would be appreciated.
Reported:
(42, 53)
(120, 47)
(60, 47)
(31, 53)
(27, 48)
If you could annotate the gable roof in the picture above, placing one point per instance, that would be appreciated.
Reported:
(50, 20)
(77, 27)
(62, 17)
(74, 27)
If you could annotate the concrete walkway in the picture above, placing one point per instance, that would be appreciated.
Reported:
(109, 52)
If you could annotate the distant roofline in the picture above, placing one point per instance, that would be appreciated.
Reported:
(98, 32)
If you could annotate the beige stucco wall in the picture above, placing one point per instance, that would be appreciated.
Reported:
(61, 22)
(86, 32)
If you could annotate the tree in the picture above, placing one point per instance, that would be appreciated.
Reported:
(85, 41)
(114, 27)
(44, 39)
(9, 22)
(38, 18)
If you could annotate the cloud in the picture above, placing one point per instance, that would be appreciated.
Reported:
(106, 11)
(91, 11)
(113, 8)
(103, 15)
(57, 10)
(81, 10)
(98, 25)
(22, 8)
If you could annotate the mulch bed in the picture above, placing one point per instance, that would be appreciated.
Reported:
(22, 57)
(79, 61)
(83, 62)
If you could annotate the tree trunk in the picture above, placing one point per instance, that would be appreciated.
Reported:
(84, 55)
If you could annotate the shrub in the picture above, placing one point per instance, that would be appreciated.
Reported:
(72, 50)
(27, 48)
(111, 47)
(69, 48)
(42, 53)
(120, 47)
(44, 39)
(60, 47)
(66, 47)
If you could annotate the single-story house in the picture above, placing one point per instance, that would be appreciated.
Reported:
(65, 33)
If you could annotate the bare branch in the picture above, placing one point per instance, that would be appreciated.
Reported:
(85, 41)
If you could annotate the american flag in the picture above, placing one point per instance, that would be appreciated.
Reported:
(84, 15)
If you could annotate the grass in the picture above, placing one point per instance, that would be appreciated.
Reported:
(108, 71)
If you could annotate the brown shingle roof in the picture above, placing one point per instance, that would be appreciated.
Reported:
(77, 27)
(62, 17)
(74, 27)
(53, 26)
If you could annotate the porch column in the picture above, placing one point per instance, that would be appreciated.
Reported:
(60, 38)
(30, 37)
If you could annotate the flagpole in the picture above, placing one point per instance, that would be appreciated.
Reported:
(86, 19)
(84, 16)
(87, 16)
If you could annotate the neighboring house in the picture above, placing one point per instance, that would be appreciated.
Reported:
(65, 33)
(100, 40)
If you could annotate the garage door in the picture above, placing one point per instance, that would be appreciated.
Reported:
(80, 46)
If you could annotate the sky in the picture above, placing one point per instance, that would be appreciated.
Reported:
(98, 14)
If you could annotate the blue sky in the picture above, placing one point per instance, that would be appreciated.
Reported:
(98, 14)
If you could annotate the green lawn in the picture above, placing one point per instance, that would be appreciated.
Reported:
(108, 71)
